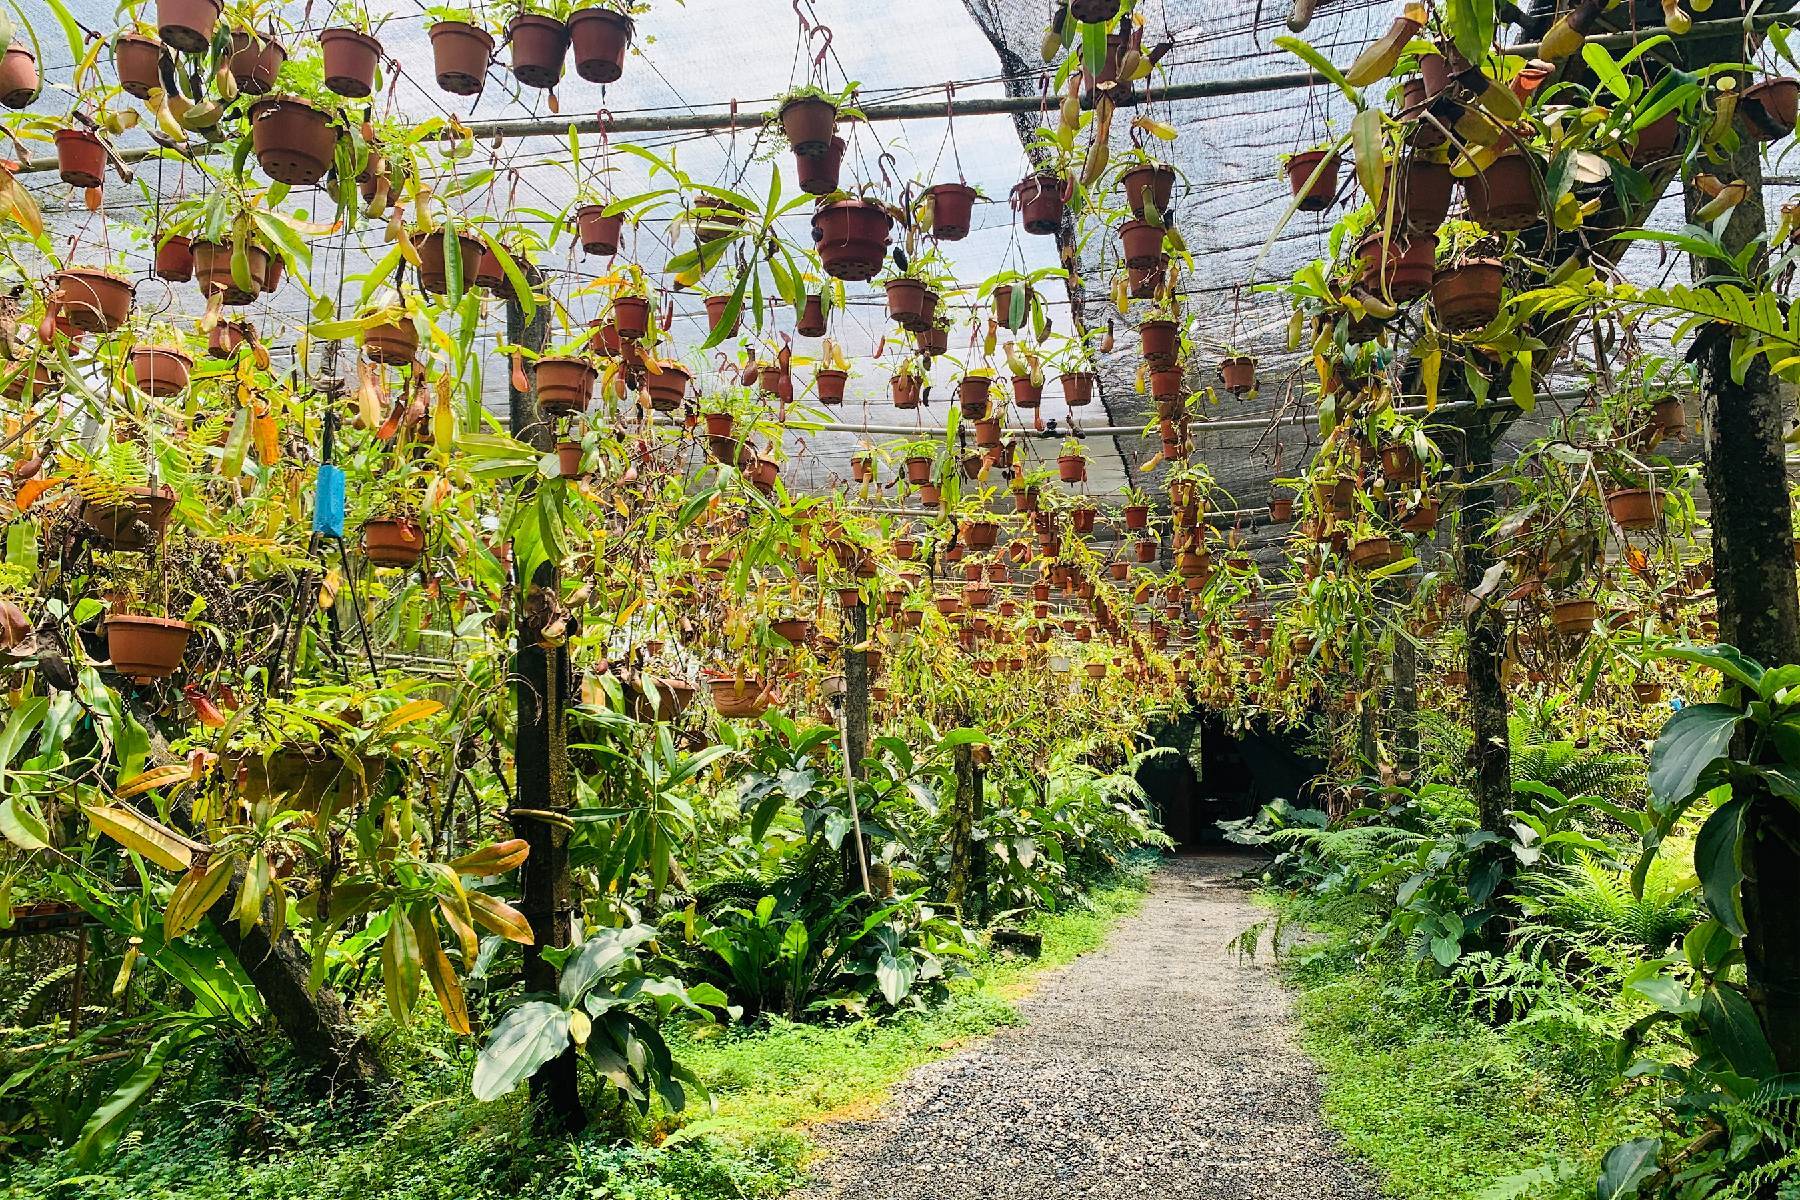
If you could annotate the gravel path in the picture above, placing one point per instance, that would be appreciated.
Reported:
(1157, 1066)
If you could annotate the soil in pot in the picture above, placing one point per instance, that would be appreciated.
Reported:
(80, 158)
(187, 25)
(138, 61)
(1039, 202)
(1313, 179)
(819, 173)
(146, 647)
(600, 38)
(1077, 388)
(1155, 184)
(851, 238)
(93, 301)
(434, 275)
(952, 210)
(810, 124)
(351, 58)
(461, 53)
(161, 371)
(1467, 296)
(564, 385)
(828, 385)
(393, 541)
(294, 142)
(1505, 195)
(539, 45)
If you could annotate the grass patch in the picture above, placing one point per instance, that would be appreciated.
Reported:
(221, 1132)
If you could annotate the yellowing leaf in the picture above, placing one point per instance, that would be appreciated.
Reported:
(156, 777)
(497, 916)
(196, 894)
(412, 710)
(138, 833)
(444, 983)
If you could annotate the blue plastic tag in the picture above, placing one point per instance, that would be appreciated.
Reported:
(328, 505)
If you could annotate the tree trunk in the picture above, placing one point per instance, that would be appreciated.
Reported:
(541, 681)
(962, 831)
(1484, 625)
(1753, 572)
(856, 734)
(1403, 710)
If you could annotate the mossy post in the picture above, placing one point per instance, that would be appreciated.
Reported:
(541, 682)
(856, 730)
(1484, 624)
(1742, 426)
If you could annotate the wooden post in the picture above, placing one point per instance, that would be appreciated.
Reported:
(1485, 626)
(1753, 572)
(542, 683)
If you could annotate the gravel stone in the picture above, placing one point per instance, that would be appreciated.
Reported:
(1159, 1065)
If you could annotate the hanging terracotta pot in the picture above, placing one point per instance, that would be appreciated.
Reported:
(810, 124)
(1421, 518)
(80, 158)
(1409, 265)
(1027, 392)
(763, 473)
(932, 342)
(1078, 388)
(631, 317)
(828, 384)
(460, 54)
(1038, 199)
(1314, 194)
(1770, 108)
(568, 459)
(135, 523)
(225, 338)
(1071, 468)
(668, 387)
(174, 260)
(36, 377)
(1467, 296)
(715, 314)
(1374, 552)
(539, 45)
(904, 390)
(1657, 140)
(489, 273)
(212, 271)
(910, 304)
(19, 78)
(1281, 509)
(146, 647)
(393, 541)
(351, 58)
(564, 385)
(980, 535)
(987, 433)
(1426, 191)
(1668, 417)
(254, 61)
(1574, 618)
(1505, 196)
(1160, 339)
(295, 142)
(1142, 244)
(1633, 509)
(1168, 387)
(818, 174)
(952, 210)
(434, 270)
(1238, 374)
(597, 232)
(161, 371)
(811, 322)
(1143, 283)
(851, 237)
(394, 343)
(1151, 183)
(93, 301)
(187, 25)
(138, 61)
(600, 38)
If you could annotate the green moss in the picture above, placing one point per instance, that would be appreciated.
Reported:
(1438, 1103)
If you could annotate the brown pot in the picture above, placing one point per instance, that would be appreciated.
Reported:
(1168, 387)
(911, 304)
(1027, 393)
(1467, 296)
(19, 79)
(1409, 266)
(1657, 140)
(461, 53)
(568, 459)
(225, 338)
(393, 541)
(600, 37)
(1647, 692)
(1071, 468)
(138, 61)
(828, 384)
(1077, 388)
(673, 696)
(1668, 416)
(1770, 107)
(918, 471)
(1574, 617)
(952, 210)
(255, 61)
(1375, 552)
(1238, 374)
(212, 271)
(1155, 183)
(1281, 510)
(818, 174)
(146, 647)
(1144, 283)
(631, 317)
(1038, 199)
(1161, 339)
(395, 343)
(295, 143)
(1633, 508)
(851, 238)
(80, 158)
(987, 433)
(564, 385)
(980, 535)
(715, 314)
(187, 25)
(667, 388)
(137, 523)
(1427, 188)
(161, 371)
(764, 472)
(905, 390)
(1316, 195)
(37, 376)
(174, 259)
(539, 45)
(93, 301)
(1505, 195)
(931, 493)
(1421, 518)
(351, 58)
(434, 275)
(932, 342)
(811, 322)
(1142, 244)
(810, 124)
